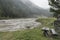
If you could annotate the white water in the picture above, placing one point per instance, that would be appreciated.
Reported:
(18, 24)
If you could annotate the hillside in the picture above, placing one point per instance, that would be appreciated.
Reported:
(21, 8)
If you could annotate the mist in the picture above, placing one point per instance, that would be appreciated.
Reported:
(22, 8)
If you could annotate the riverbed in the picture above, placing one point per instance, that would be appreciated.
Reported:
(18, 24)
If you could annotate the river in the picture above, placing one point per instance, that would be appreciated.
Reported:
(18, 24)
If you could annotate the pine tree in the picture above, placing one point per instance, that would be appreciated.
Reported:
(55, 7)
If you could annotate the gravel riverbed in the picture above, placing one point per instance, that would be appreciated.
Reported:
(18, 24)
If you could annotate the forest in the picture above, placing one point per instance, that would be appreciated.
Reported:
(20, 9)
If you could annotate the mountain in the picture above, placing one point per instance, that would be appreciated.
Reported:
(22, 8)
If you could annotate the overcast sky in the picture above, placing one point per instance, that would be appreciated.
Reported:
(41, 3)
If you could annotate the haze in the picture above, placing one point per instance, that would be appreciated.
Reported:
(41, 3)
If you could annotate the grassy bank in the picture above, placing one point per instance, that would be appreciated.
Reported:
(34, 34)
(46, 22)
(29, 34)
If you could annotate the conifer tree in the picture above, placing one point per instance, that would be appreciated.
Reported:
(55, 7)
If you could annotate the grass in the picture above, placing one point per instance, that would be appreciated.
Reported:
(29, 34)
(34, 34)
(47, 22)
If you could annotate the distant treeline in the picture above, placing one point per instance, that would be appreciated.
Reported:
(20, 9)
(8, 9)
(5, 12)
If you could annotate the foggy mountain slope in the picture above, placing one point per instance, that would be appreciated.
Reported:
(22, 8)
